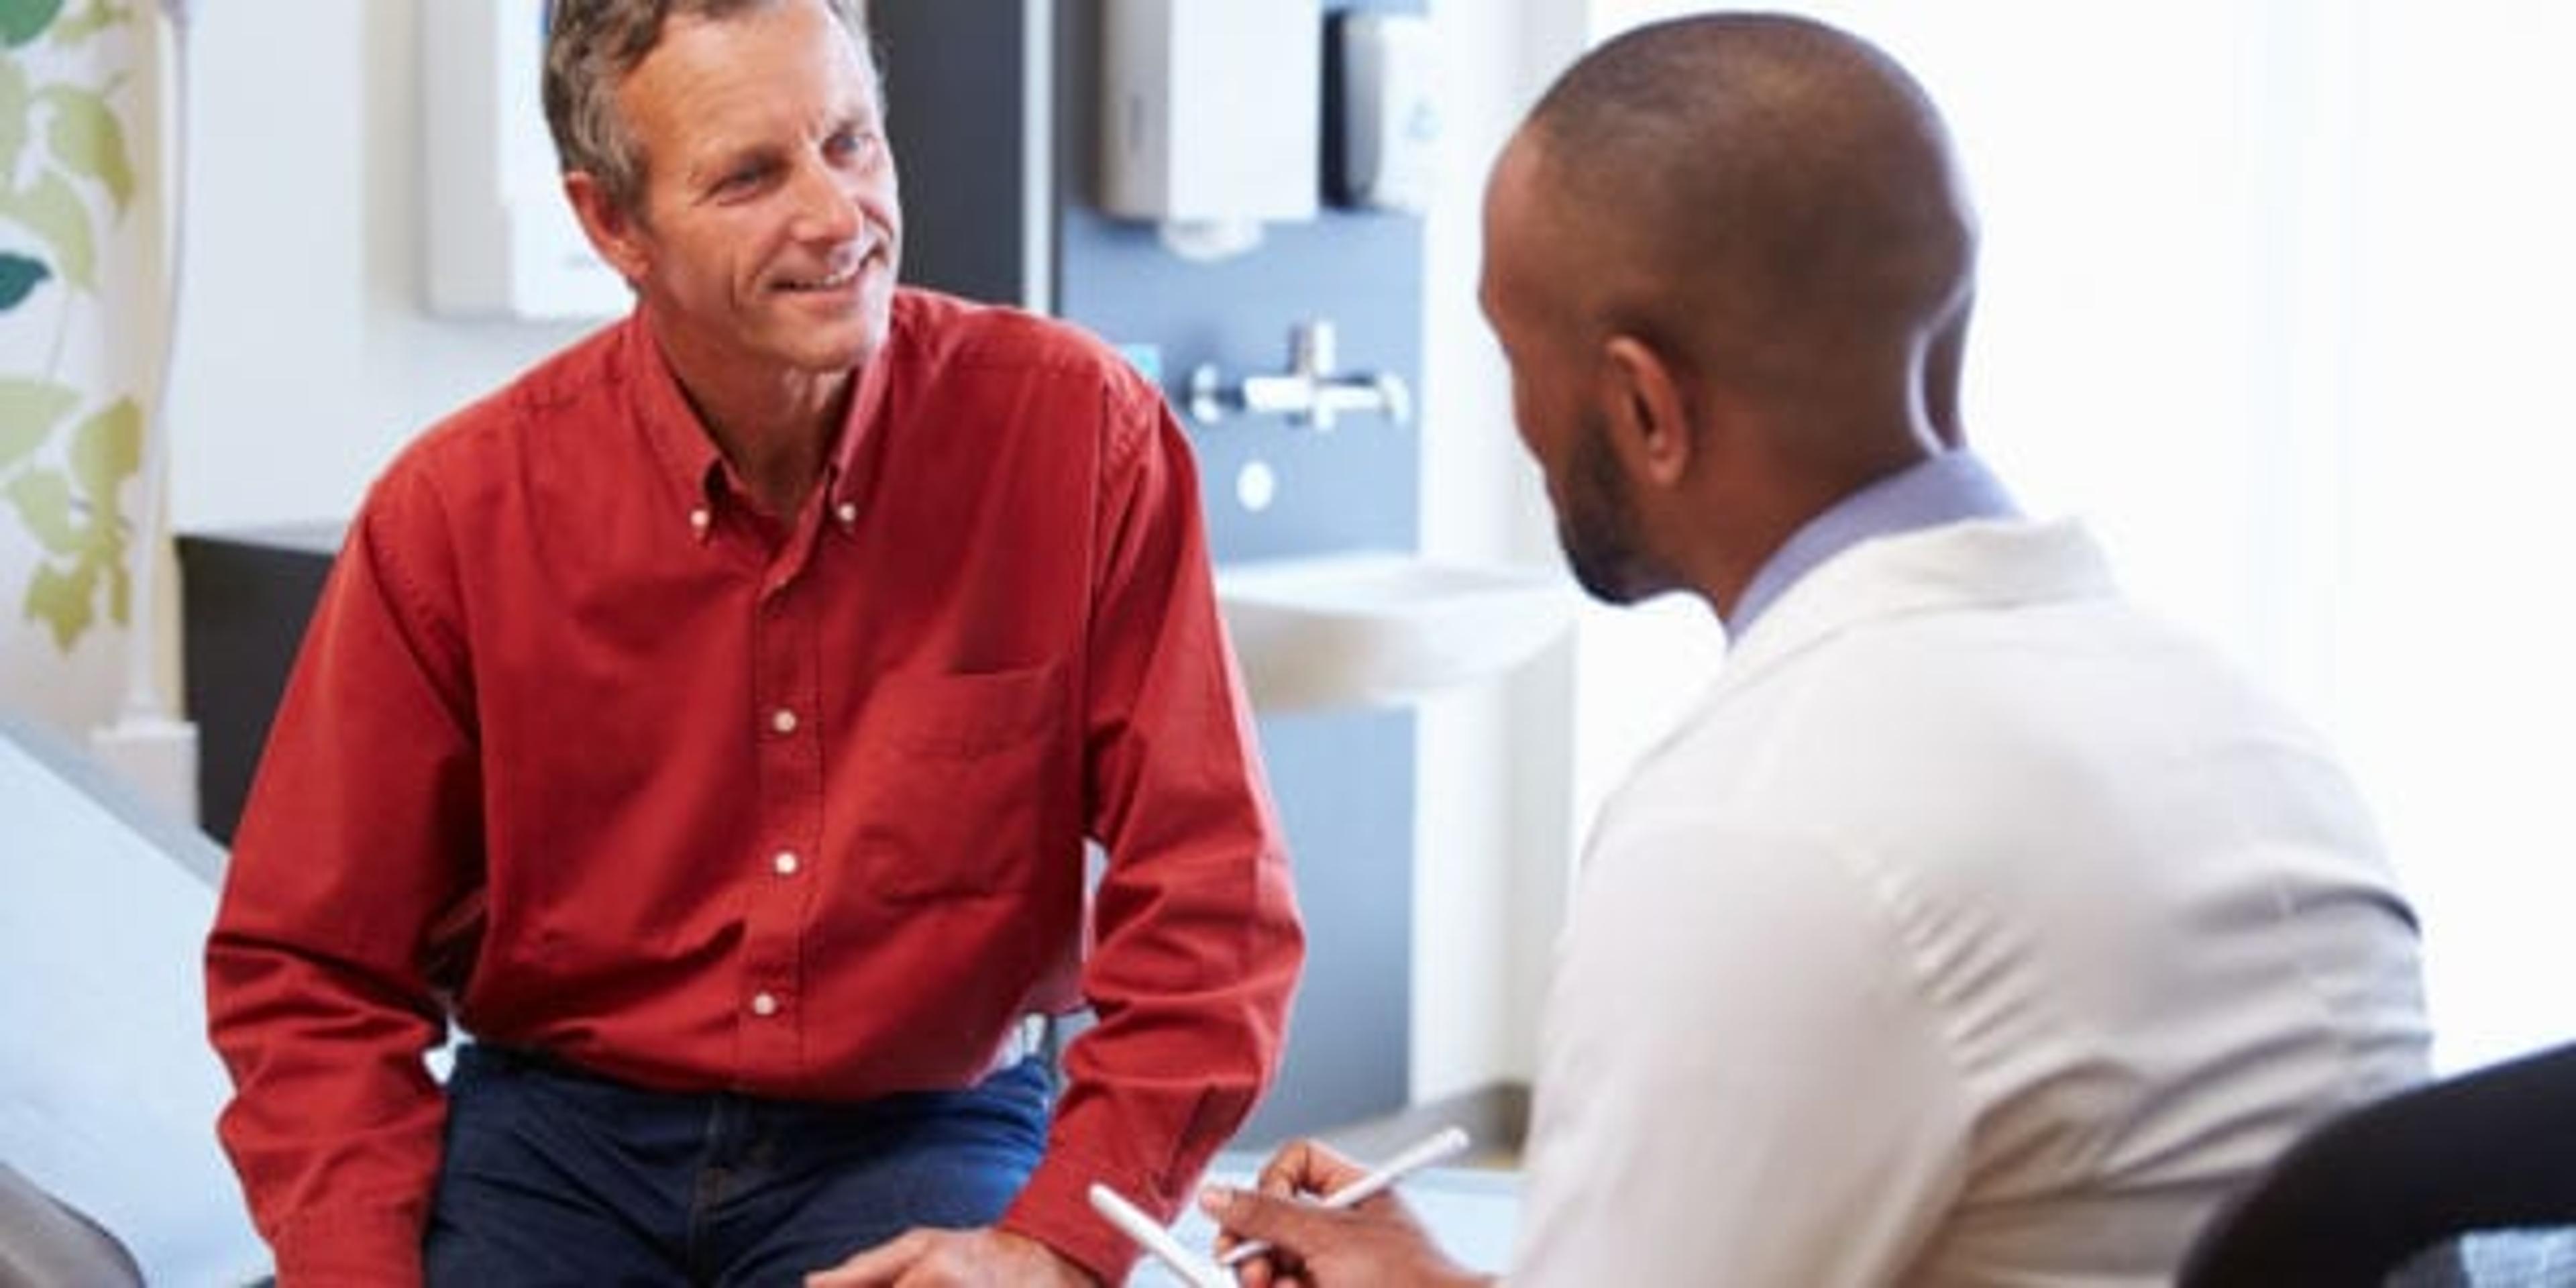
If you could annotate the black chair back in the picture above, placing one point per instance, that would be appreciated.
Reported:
(2386, 1193)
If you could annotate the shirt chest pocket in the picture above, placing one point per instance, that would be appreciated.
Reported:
(962, 784)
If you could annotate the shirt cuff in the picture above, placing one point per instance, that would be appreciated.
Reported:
(1055, 1209)
(343, 1248)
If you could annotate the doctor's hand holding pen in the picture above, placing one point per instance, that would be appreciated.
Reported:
(1327, 1222)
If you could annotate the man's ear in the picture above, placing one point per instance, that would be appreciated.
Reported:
(1648, 426)
(611, 230)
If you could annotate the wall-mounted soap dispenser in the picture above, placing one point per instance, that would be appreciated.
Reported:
(1211, 117)
(1383, 152)
(501, 241)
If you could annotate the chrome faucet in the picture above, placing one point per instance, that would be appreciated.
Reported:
(1310, 392)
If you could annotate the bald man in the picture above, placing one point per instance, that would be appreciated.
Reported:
(1973, 929)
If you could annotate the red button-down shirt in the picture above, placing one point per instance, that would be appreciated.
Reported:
(585, 750)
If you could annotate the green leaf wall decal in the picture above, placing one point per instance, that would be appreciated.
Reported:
(51, 204)
(15, 107)
(43, 499)
(29, 410)
(61, 600)
(53, 212)
(105, 451)
(24, 20)
(88, 140)
(19, 277)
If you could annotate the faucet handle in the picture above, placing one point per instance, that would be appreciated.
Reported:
(1308, 393)
(1310, 348)
(1394, 399)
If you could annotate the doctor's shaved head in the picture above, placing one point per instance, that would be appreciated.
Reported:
(1729, 259)
(1759, 192)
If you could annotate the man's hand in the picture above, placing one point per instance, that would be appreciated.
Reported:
(955, 1259)
(1378, 1242)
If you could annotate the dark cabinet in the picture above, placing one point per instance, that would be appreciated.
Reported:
(246, 598)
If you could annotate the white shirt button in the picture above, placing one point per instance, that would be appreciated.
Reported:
(783, 720)
(848, 513)
(785, 863)
(699, 519)
(763, 1004)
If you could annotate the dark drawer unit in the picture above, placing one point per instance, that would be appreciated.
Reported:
(246, 595)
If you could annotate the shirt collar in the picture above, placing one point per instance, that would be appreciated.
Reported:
(688, 453)
(1952, 487)
(841, 474)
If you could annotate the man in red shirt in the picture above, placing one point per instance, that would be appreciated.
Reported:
(710, 724)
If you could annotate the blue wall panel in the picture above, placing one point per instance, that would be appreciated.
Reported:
(1344, 781)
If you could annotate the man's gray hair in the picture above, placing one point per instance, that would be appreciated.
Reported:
(590, 47)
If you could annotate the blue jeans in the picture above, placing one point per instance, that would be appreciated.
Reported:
(556, 1176)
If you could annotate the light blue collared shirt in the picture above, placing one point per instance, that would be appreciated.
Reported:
(1950, 488)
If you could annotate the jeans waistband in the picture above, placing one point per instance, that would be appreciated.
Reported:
(1025, 1040)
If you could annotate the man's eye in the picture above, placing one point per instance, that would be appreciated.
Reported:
(852, 145)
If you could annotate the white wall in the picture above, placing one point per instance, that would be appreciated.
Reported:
(1494, 831)
(305, 356)
(2448, 672)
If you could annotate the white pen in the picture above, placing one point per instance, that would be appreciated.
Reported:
(1149, 1234)
(1448, 1141)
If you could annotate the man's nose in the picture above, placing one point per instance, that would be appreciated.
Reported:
(826, 204)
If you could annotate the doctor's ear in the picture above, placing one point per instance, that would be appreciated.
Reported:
(1649, 424)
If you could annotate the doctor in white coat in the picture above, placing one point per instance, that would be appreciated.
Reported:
(1973, 928)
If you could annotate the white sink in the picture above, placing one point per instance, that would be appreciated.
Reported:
(1375, 628)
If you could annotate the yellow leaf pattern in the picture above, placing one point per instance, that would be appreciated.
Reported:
(43, 500)
(29, 410)
(106, 449)
(86, 138)
(66, 451)
(61, 600)
(52, 210)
